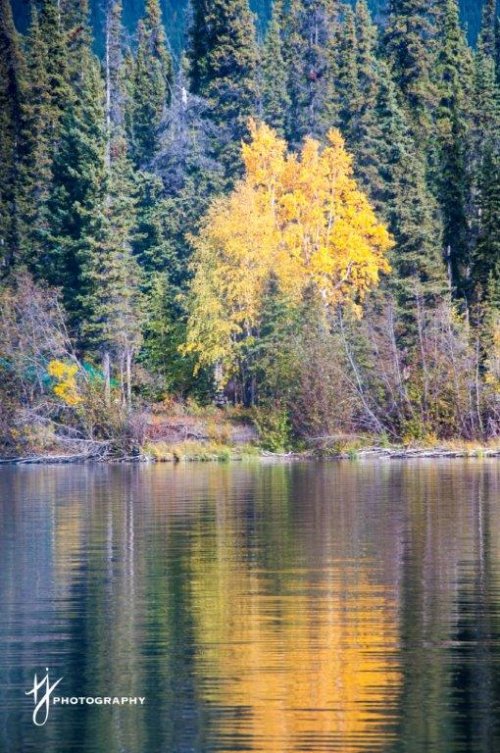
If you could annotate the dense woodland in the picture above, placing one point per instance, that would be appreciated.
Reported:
(304, 225)
(176, 18)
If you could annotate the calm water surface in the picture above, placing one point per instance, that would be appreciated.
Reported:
(274, 608)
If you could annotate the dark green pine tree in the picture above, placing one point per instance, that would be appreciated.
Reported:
(364, 132)
(110, 276)
(410, 46)
(309, 33)
(53, 33)
(78, 37)
(48, 96)
(79, 187)
(497, 49)
(485, 144)
(348, 100)
(487, 35)
(486, 256)
(148, 99)
(486, 106)
(407, 204)
(152, 79)
(222, 55)
(115, 70)
(275, 101)
(486, 100)
(486, 150)
(12, 97)
(454, 74)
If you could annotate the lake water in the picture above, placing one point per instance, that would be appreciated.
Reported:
(279, 608)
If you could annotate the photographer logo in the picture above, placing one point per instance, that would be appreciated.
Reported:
(43, 698)
(41, 692)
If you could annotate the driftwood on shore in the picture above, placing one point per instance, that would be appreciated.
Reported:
(407, 453)
(101, 452)
(96, 451)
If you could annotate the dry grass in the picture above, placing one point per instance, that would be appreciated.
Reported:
(205, 451)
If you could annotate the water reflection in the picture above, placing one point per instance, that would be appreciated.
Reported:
(304, 607)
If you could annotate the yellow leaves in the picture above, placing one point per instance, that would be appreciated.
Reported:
(65, 376)
(300, 220)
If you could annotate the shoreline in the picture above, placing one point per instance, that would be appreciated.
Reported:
(239, 454)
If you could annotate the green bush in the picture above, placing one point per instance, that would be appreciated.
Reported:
(274, 427)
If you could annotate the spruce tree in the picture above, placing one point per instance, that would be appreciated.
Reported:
(75, 222)
(151, 88)
(347, 97)
(404, 198)
(148, 99)
(78, 37)
(114, 67)
(12, 96)
(309, 34)
(497, 49)
(54, 37)
(410, 45)
(222, 55)
(364, 131)
(454, 80)
(486, 256)
(48, 97)
(110, 277)
(487, 35)
(275, 101)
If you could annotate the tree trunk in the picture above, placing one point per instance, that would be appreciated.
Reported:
(128, 376)
(106, 371)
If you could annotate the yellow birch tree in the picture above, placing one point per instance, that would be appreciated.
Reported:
(300, 220)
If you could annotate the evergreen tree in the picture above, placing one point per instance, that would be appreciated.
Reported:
(78, 39)
(454, 79)
(76, 206)
(114, 65)
(405, 200)
(364, 130)
(347, 97)
(497, 49)
(110, 277)
(487, 35)
(54, 37)
(47, 99)
(223, 65)
(149, 97)
(410, 45)
(309, 35)
(486, 257)
(151, 86)
(485, 144)
(486, 110)
(12, 94)
(275, 101)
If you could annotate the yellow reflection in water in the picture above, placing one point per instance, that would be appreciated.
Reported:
(308, 669)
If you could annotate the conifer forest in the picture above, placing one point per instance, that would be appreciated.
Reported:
(289, 220)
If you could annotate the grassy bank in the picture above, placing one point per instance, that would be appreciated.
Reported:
(176, 433)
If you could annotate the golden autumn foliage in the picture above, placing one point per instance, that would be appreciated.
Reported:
(300, 220)
(65, 385)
